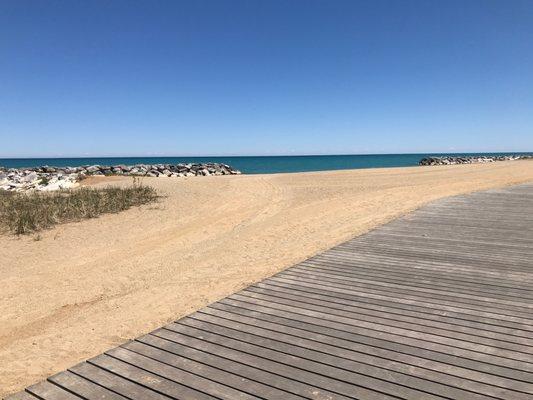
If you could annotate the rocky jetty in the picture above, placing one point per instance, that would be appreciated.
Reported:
(47, 178)
(451, 160)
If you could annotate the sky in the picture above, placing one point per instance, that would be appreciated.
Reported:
(270, 77)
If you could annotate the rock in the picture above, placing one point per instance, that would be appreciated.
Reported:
(92, 169)
(453, 160)
(32, 176)
(48, 178)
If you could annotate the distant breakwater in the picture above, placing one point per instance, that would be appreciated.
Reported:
(451, 160)
(46, 178)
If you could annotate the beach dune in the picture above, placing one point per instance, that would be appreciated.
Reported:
(88, 286)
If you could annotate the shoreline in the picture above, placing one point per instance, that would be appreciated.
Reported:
(122, 275)
(52, 178)
(270, 164)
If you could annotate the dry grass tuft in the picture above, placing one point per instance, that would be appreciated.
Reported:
(22, 213)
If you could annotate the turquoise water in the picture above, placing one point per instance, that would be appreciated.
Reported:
(249, 165)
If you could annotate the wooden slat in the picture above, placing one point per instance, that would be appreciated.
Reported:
(273, 362)
(275, 382)
(166, 352)
(47, 391)
(175, 375)
(415, 373)
(377, 338)
(116, 383)
(435, 305)
(22, 396)
(83, 387)
(141, 374)
(445, 330)
(398, 311)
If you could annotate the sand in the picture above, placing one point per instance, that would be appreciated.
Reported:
(87, 286)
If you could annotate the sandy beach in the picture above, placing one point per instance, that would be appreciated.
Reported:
(87, 286)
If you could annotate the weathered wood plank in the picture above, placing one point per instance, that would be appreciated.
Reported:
(271, 361)
(376, 337)
(396, 310)
(385, 379)
(400, 321)
(154, 348)
(377, 356)
(48, 391)
(22, 396)
(273, 381)
(83, 387)
(116, 383)
(175, 375)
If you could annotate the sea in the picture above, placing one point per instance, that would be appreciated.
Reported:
(253, 164)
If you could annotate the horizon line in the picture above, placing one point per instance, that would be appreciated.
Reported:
(261, 155)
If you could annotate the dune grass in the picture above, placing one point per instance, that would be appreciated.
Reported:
(23, 213)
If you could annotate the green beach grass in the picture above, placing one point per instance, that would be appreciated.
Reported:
(23, 213)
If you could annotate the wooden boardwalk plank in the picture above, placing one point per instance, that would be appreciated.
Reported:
(83, 387)
(398, 311)
(23, 396)
(46, 390)
(155, 348)
(435, 305)
(444, 330)
(273, 362)
(377, 338)
(115, 383)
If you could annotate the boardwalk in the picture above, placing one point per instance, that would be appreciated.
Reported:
(435, 305)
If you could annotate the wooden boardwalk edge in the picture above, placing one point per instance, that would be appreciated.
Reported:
(437, 304)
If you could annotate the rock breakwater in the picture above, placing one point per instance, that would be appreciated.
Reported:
(452, 160)
(47, 178)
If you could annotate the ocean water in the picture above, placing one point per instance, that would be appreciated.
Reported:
(249, 164)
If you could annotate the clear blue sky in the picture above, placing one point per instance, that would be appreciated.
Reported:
(249, 77)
